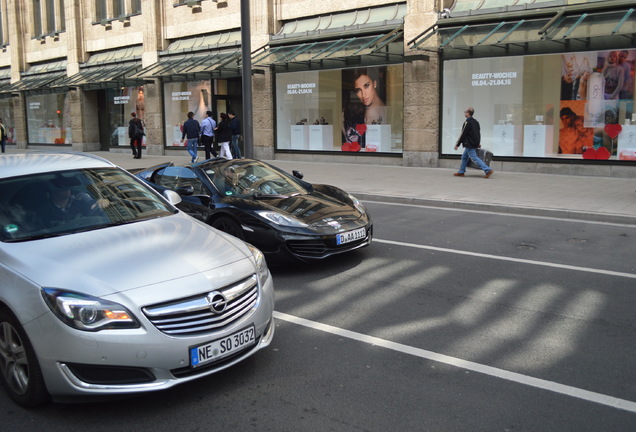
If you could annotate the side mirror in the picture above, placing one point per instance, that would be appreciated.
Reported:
(298, 174)
(172, 197)
(185, 190)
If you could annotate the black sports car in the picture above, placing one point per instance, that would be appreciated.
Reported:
(277, 212)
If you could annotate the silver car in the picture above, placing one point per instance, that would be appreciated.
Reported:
(106, 288)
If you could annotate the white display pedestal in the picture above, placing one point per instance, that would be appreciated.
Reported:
(506, 140)
(320, 137)
(626, 149)
(122, 136)
(538, 140)
(378, 138)
(299, 137)
(176, 136)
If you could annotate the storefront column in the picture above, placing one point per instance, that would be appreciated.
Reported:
(263, 113)
(20, 119)
(421, 112)
(84, 121)
(154, 119)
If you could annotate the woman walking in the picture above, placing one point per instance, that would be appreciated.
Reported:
(224, 135)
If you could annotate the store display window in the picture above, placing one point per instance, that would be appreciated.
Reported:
(348, 110)
(571, 105)
(181, 98)
(122, 103)
(49, 119)
(6, 114)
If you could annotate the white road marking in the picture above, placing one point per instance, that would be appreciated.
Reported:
(504, 258)
(566, 390)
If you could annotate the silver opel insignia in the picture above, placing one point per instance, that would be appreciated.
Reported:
(106, 288)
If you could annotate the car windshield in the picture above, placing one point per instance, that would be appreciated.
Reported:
(251, 178)
(59, 203)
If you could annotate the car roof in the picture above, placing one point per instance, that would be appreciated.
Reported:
(18, 164)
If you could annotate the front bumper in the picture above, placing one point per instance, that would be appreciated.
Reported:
(120, 362)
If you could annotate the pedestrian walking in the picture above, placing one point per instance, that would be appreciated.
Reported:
(235, 126)
(470, 138)
(3, 136)
(224, 135)
(136, 134)
(190, 136)
(207, 134)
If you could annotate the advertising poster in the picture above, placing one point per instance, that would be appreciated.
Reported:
(348, 110)
(597, 92)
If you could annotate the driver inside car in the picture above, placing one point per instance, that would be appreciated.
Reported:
(65, 204)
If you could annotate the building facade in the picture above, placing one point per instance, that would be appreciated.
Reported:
(551, 81)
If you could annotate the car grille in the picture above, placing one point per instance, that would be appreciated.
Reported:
(320, 248)
(195, 315)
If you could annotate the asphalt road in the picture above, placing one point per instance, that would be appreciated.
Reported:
(451, 321)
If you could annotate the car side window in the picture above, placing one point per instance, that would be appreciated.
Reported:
(174, 177)
(188, 178)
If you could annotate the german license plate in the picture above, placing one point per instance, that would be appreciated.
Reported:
(350, 236)
(220, 348)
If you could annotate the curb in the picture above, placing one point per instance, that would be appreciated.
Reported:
(504, 209)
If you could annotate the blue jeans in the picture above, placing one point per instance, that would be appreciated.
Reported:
(235, 147)
(192, 148)
(472, 154)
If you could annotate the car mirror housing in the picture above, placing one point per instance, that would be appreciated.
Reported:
(172, 197)
(298, 174)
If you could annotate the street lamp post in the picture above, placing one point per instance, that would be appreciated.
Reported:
(246, 74)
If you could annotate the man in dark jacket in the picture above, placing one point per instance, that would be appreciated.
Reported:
(191, 132)
(136, 135)
(470, 138)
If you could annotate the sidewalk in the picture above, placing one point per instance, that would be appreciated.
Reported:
(600, 199)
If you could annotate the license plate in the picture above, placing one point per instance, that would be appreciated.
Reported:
(350, 236)
(220, 348)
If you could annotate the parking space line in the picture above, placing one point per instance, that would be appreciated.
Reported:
(551, 386)
(504, 258)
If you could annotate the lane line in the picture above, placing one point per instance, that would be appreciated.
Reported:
(542, 384)
(504, 258)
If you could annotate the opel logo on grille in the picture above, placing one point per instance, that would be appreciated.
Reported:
(217, 302)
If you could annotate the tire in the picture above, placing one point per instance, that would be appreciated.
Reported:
(19, 368)
(228, 226)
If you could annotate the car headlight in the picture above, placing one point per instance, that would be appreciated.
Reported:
(357, 204)
(84, 312)
(280, 219)
(262, 272)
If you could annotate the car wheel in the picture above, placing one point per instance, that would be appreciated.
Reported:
(19, 368)
(227, 225)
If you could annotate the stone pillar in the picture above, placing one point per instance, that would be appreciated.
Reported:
(421, 89)
(263, 122)
(84, 122)
(155, 132)
(19, 118)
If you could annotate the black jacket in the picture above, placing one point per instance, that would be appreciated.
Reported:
(223, 131)
(471, 135)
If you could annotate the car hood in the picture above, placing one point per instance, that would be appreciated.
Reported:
(316, 209)
(116, 259)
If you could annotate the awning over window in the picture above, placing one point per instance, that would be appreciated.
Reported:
(105, 76)
(203, 57)
(39, 77)
(107, 69)
(376, 20)
(192, 66)
(374, 49)
(575, 29)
